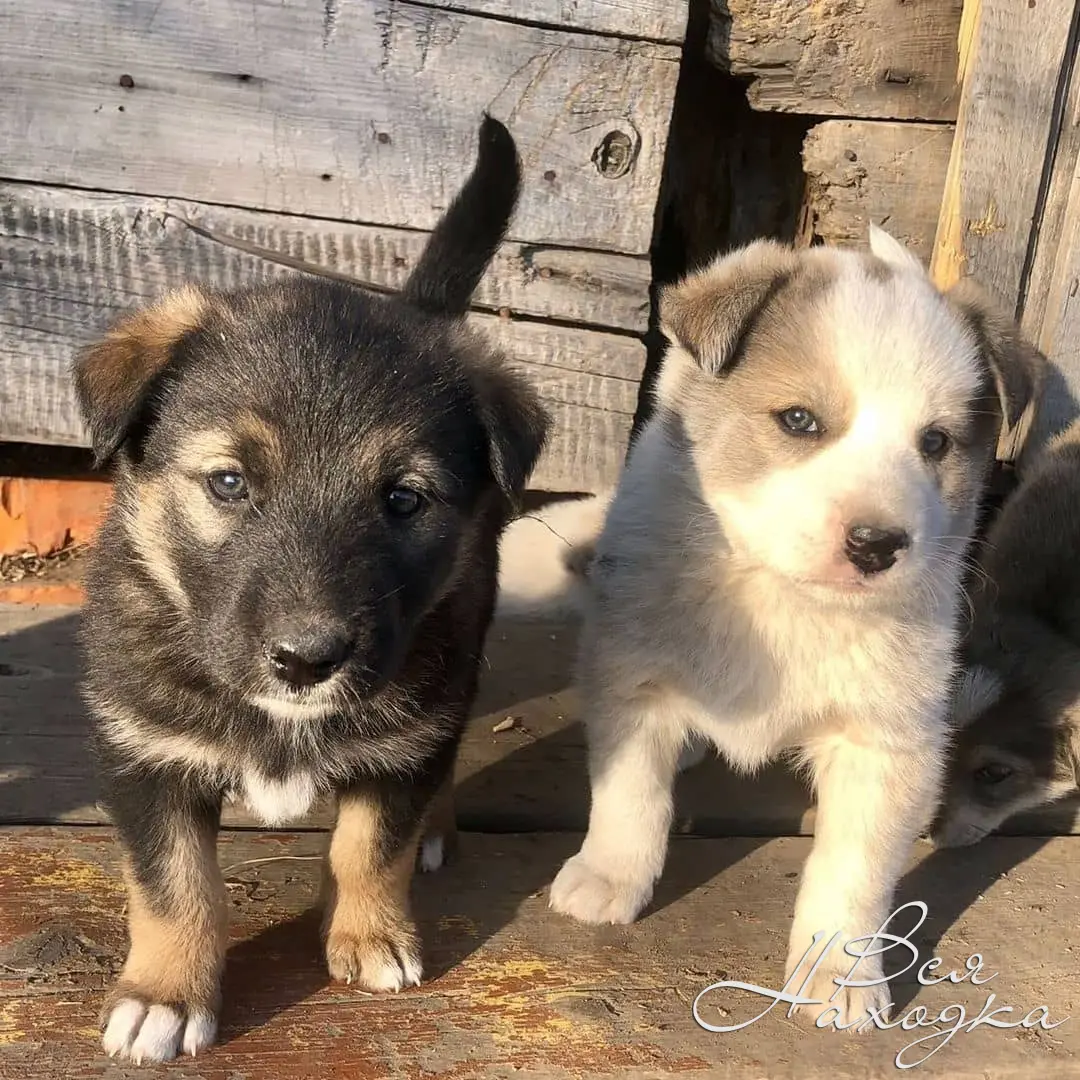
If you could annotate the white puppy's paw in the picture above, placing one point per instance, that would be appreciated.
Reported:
(588, 895)
(144, 1032)
(851, 1004)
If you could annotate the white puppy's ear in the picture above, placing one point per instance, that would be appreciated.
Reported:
(891, 252)
(708, 312)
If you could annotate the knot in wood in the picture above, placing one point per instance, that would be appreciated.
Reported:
(615, 154)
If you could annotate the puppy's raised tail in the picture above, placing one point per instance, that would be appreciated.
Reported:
(545, 557)
(467, 236)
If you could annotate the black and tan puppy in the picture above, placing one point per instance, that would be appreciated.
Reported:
(290, 594)
(1018, 707)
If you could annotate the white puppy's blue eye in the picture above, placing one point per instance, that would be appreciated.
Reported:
(228, 485)
(799, 421)
(933, 443)
(403, 502)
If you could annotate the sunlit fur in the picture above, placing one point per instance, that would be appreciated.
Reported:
(324, 401)
(720, 601)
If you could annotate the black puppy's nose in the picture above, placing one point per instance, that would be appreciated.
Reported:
(309, 657)
(871, 549)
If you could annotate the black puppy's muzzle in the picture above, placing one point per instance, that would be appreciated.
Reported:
(302, 657)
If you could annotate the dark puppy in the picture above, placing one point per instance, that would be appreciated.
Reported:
(291, 592)
(1018, 705)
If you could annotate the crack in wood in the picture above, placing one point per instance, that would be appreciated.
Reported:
(330, 17)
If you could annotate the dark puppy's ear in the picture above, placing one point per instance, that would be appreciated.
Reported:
(516, 425)
(709, 312)
(467, 236)
(113, 377)
(1018, 369)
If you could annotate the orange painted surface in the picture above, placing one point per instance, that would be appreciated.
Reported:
(44, 515)
(42, 591)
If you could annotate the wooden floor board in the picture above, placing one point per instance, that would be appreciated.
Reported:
(513, 990)
(531, 777)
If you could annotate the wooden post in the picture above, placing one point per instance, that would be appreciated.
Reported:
(1016, 63)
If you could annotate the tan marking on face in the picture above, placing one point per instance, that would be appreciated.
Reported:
(205, 450)
(780, 361)
(392, 453)
(877, 356)
(177, 939)
(255, 436)
(202, 453)
(147, 523)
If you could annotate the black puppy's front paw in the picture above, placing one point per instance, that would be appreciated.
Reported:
(144, 1030)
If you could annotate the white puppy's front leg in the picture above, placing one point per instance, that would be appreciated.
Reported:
(873, 802)
(633, 751)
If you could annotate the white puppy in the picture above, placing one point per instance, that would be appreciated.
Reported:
(542, 556)
(780, 569)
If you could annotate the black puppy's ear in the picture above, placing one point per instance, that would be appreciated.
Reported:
(113, 377)
(1018, 369)
(516, 425)
(467, 236)
(709, 312)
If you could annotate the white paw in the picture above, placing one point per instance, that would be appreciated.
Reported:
(147, 1033)
(432, 854)
(584, 893)
(847, 1005)
(381, 964)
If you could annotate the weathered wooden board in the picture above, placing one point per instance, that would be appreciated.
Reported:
(1057, 331)
(1015, 60)
(651, 20)
(872, 58)
(532, 777)
(513, 989)
(72, 261)
(892, 174)
(136, 248)
(1013, 56)
(1051, 304)
(370, 116)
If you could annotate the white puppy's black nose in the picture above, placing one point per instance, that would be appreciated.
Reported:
(871, 549)
(308, 657)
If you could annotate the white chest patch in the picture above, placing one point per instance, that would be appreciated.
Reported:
(278, 802)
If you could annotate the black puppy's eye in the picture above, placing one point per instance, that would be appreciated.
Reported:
(227, 485)
(403, 502)
(933, 443)
(993, 772)
(799, 421)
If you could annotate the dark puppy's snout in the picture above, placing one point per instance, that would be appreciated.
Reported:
(305, 655)
(872, 549)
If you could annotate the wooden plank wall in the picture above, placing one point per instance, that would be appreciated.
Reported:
(955, 124)
(143, 144)
(880, 78)
(1011, 209)
(140, 146)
